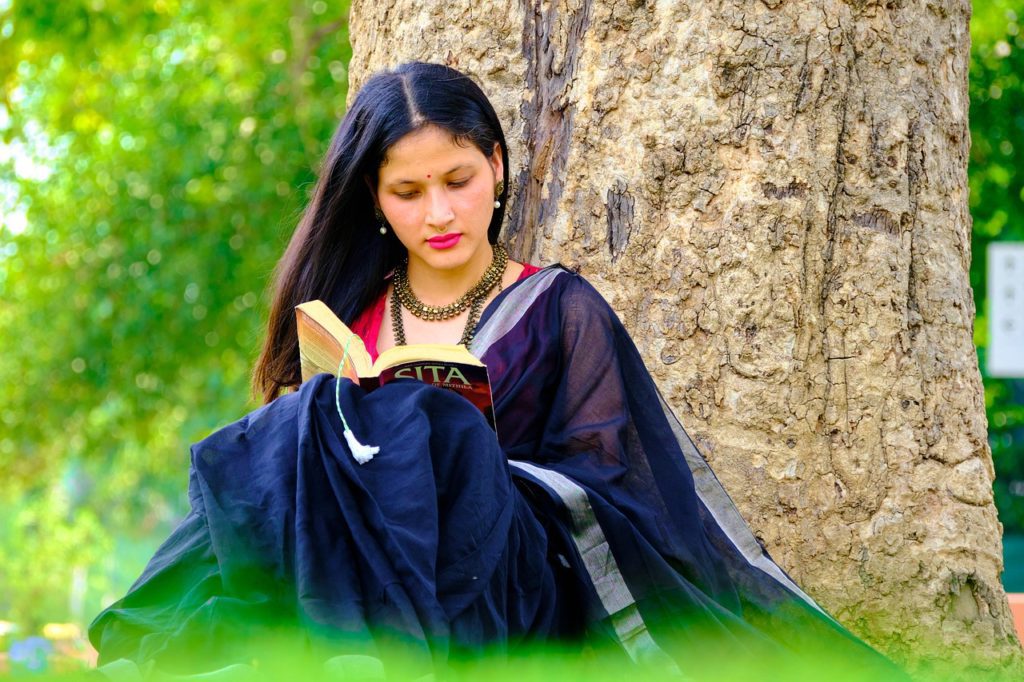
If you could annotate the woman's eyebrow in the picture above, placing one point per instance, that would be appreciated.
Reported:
(404, 182)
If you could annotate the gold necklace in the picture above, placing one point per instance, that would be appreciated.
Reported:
(491, 277)
(473, 299)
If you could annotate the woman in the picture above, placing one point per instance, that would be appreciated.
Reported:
(591, 520)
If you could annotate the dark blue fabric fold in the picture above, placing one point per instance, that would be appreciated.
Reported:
(585, 524)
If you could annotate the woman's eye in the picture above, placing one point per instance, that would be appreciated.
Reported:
(406, 195)
(458, 183)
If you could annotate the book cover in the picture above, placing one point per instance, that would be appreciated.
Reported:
(323, 340)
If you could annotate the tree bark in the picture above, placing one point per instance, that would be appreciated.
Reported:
(773, 196)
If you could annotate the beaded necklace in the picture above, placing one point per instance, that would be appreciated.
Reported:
(473, 299)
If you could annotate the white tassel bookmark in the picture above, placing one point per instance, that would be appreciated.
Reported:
(361, 453)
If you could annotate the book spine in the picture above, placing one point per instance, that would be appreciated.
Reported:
(370, 383)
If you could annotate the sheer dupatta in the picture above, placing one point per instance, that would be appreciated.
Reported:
(664, 558)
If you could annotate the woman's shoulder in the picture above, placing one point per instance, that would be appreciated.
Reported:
(577, 300)
(572, 285)
(528, 269)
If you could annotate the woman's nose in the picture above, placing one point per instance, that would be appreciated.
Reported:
(439, 208)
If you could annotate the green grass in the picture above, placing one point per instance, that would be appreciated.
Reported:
(717, 660)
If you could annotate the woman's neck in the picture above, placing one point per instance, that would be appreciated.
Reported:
(440, 287)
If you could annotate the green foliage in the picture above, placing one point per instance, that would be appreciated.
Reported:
(154, 159)
(997, 206)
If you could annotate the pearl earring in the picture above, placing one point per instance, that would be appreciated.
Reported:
(498, 189)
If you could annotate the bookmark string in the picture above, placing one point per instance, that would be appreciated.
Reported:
(361, 453)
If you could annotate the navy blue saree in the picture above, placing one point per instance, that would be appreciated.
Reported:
(594, 522)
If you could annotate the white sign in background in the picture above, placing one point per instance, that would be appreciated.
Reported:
(1006, 309)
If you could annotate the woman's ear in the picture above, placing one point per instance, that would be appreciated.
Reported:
(497, 162)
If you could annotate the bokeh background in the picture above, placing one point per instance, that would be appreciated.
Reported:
(154, 157)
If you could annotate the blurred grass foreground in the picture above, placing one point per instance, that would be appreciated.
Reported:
(282, 658)
(153, 158)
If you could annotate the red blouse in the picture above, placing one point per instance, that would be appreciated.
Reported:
(367, 325)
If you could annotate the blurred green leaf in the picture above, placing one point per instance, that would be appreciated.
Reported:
(155, 158)
(997, 205)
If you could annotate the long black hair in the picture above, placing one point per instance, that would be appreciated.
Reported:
(336, 253)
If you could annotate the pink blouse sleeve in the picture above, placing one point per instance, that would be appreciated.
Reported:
(367, 325)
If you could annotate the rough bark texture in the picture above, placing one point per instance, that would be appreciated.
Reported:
(773, 196)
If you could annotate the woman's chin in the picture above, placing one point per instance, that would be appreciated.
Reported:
(453, 258)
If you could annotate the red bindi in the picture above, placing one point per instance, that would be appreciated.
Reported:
(428, 175)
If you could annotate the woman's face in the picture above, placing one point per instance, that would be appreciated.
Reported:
(438, 197)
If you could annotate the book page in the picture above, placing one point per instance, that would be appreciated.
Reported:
(322, 342)
(446, 352)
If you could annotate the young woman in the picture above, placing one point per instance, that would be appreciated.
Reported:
(589, 517)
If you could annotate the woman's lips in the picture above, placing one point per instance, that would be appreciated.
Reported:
(444, 241)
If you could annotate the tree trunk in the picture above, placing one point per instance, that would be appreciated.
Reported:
(773, 196)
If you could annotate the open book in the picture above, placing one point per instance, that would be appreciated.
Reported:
(322, 344)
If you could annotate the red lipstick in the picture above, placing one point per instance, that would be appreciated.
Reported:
(444, 241)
